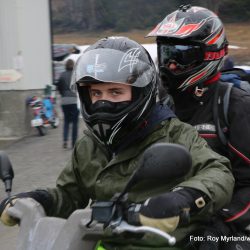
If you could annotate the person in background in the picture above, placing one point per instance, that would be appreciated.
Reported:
(117, 84)
(228, 63)
(69, 105)
(192, 46)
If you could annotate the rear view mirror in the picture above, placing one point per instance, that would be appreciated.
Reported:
(161, 161)
(6, 171)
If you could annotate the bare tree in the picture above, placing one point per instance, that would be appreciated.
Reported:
(93, 14)
(210, 4)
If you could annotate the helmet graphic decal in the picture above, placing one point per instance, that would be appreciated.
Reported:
(200, 75)
(97, 67)
(169, 27)
(116, 129)
(154, 31)
(176, 26)
(217, 38)
(129, 59)
(188, 29)
(146, 105)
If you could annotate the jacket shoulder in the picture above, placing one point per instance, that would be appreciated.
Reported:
(239, 102)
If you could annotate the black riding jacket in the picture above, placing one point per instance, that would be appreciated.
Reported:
(199, 113)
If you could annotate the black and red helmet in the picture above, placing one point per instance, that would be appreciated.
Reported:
(194, 38)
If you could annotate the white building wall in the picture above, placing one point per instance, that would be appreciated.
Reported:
(25, 43)
(25, 46)
(8, 33)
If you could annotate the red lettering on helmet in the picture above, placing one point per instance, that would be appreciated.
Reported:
(211, 56)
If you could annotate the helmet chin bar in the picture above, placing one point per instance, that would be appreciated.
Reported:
(196, 76)
(169, 80)
(101, 130)
(106, 132)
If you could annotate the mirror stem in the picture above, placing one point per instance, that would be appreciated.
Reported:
(8, 185)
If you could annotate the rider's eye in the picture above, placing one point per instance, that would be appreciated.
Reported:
(95, 93)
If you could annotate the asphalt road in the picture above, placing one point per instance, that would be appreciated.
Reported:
(36, 161)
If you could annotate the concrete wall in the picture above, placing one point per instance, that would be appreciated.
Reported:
(25, 46)
(16, 116)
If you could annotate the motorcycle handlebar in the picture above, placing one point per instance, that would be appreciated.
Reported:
(74, 231)
(125, 227)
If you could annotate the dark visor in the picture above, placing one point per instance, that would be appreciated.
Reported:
(182, 54)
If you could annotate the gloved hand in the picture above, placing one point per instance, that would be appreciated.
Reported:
(168, 210)
(5, 217)
(41, 196)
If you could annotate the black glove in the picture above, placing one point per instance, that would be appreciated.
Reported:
(215, 229)
(218, 229)
(237, 213)
(41, 196)
(168, 210)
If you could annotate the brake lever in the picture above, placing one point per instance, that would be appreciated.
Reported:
(125, 227)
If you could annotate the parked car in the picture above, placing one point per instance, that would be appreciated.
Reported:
(63, 52)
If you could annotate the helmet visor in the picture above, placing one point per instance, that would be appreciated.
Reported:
(182, 54)
(109, 65)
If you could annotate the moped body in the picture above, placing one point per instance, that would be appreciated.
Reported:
(86, 227)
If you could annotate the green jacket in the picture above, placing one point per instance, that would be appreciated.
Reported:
(91, 174)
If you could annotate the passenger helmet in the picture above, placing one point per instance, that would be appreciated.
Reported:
(115, 60)
(194, 38)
